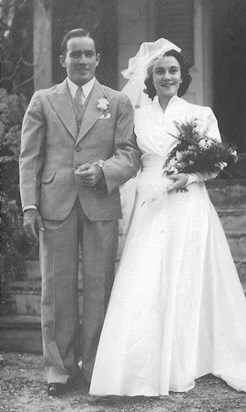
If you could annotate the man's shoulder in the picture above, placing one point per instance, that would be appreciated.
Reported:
(114, 94)
(49, 90)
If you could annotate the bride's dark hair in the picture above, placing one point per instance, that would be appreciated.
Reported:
(185, 75)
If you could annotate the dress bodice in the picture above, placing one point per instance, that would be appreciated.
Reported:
(156, 129)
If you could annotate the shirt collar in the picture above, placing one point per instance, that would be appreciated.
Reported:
(86, 87)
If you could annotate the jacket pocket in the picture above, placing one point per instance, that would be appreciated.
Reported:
(48, 176)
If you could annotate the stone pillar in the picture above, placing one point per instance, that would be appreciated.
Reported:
(42, 42)
(207, 54)
(136, 24)
(200, 90)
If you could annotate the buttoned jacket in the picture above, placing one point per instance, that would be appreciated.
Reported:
(52, 148)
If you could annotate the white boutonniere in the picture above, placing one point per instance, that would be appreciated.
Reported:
(102, 103)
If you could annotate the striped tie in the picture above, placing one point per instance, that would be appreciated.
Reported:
(78, 99)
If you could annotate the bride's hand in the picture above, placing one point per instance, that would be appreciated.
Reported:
(178, 181)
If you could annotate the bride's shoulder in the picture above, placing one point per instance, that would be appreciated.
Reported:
(143, 110)
(196, 108)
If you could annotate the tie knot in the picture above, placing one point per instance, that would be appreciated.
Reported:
(79, 90)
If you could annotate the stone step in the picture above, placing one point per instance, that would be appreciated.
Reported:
(237, 243)
(25, 297)
(20, 333)
(241, 268)
(229, 194)
(33, 269)
(232, 219)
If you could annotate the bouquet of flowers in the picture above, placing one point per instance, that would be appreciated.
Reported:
(196, 152)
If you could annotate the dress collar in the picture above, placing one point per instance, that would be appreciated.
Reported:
(172, 101)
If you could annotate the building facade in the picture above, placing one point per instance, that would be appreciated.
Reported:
(211, 33)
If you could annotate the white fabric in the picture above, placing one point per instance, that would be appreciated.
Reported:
(175, 111)
(200, 177)
(177, 309)
(34, 207)
(138, 65)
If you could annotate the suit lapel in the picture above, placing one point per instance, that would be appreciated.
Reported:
(62, 103)
(92, 112)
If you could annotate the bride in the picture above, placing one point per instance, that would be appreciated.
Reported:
(177, 309)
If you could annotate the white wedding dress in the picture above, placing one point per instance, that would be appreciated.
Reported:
(177, 309)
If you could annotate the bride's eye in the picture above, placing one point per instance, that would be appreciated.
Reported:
(159, 71)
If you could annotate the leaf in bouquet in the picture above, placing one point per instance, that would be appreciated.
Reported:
(196, 152)
(210, 159)
(187, 132)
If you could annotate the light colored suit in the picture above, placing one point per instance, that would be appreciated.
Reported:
(52, 148)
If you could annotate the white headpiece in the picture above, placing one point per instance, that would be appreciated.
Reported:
(136, 72)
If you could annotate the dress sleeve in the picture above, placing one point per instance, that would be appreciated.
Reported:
(208, 123)
(200, 177)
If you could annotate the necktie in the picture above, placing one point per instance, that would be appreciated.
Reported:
(78, 98)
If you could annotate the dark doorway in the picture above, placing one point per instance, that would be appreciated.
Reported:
(97, 16)
(229, 60)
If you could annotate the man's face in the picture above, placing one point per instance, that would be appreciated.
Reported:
(81, 60)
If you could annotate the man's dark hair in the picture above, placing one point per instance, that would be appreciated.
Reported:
(185, 75)
(74, 33)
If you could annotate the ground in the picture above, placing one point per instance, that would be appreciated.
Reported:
(23, 389)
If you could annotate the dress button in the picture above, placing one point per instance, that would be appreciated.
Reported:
(77, 148)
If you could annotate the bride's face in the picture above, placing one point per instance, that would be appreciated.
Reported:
(167, 77)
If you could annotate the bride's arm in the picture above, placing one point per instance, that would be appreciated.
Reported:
(200, 177)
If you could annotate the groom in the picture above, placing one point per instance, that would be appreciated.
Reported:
(78, 147)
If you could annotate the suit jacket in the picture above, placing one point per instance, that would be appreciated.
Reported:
(52, 148)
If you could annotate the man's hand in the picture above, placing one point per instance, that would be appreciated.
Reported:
(90, 174)
(32, 224)
(179, 181)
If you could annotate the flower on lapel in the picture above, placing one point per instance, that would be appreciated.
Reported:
(102, 103)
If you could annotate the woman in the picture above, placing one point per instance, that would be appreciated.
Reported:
(177, 309)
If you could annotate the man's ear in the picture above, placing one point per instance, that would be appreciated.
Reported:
(62, 61)
(98, 59)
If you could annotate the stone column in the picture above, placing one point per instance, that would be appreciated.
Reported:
(200, 90)
(136, 24)
(42, 42)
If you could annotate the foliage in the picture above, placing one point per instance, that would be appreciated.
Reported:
(12, 262)
(16, 46)
(16, 82)
(14, 244)
(12, 108)
(197, 153)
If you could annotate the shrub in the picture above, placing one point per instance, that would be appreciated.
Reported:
(14, 244)
(12, 262)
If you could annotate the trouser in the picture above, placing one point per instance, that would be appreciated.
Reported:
(59, 256)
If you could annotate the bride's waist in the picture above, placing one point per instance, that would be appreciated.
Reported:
(151, 161)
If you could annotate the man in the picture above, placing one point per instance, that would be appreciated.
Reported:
(78, 147)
